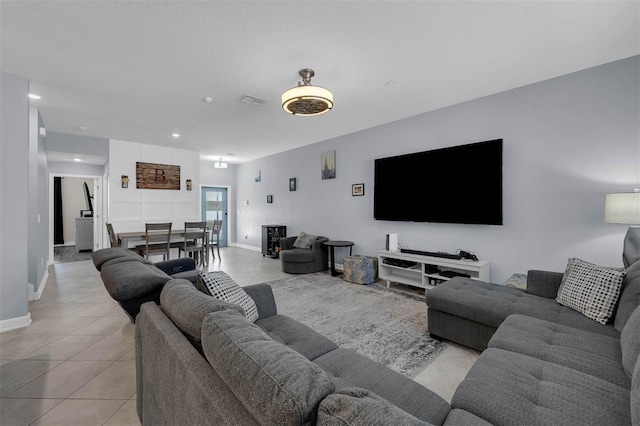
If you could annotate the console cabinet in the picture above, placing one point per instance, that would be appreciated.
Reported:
(271, 235)
(426, 272)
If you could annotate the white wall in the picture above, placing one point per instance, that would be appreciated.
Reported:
(567, 142)
(14, 202)
(72, 202)
(131, 208)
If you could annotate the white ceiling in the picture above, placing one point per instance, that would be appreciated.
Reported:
(138, 70)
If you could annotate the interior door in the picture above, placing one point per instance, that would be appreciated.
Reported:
(214, 207)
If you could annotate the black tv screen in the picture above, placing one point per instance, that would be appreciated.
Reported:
(460, 184)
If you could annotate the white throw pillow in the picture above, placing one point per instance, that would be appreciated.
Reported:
(590, 289)
(304, 240)
(223, 287)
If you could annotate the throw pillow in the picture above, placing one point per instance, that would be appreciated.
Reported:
(590, 289)
(221, 286)
(304, 241)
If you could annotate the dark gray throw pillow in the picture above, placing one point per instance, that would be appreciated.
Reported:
(630, 296)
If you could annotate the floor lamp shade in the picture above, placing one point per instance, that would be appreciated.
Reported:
(625, 208)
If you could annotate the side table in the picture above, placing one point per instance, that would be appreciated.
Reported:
(332, 256)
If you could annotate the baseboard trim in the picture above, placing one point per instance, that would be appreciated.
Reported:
(244, 246)
(35, 295)
(14, 323)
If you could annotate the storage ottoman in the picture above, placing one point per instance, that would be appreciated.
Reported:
(360, 269)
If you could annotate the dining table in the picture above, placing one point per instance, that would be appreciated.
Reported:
(125, 238)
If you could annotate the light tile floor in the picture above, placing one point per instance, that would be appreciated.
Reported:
(75, 364)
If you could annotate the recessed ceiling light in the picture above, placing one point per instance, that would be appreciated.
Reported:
(175, 135)
(77, 159)
(34, 96)
(82, 128)
(207, 99)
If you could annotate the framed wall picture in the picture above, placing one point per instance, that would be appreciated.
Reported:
(157, 176)
(292, 184)
(269, 199)
(257, 176)
(328, 165)
(357, 189)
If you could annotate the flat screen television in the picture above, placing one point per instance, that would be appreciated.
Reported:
(460, 184)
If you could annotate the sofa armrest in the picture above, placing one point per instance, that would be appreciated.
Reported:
(544, 283)
(175, 266)
(286, 243)
(263, 296)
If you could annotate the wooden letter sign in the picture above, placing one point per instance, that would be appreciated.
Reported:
(157, 176)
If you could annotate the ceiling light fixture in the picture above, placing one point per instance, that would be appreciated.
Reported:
(175, 135)
(307, 99)
(34, 96)
(220, 164)
(77, 159)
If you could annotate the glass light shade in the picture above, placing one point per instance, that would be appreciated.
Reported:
(307, 100)
(220, 165)
(622, 208)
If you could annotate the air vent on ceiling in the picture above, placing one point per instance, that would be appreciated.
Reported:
(251, 100)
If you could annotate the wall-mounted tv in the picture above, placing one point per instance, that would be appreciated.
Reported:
(460, 184)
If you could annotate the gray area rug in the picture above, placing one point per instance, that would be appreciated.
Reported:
(385, 325)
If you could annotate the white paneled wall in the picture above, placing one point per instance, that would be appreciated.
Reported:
(130, 208)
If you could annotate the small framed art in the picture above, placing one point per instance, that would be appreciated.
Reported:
(357, 189)
(269, 199)
(292, 184)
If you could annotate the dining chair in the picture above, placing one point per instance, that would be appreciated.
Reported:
(157, 240)
(214, 227)
(195, 241)
(113, 237)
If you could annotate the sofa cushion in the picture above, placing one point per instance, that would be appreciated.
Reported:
(590, 289)
(221, 286)
(351, 368)
(629, 297)
(297, 255)
(459, 417)
(304, 241)
(505, 387)
(187, 306)
(630, 342)
(635, 394)
(580, 350)
(355, 406)
(100, 257)
(129, 280)
(275, 384)
(490, 304)
(297, 336)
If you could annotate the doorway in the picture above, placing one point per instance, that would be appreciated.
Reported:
(75, 204)
(214, 207)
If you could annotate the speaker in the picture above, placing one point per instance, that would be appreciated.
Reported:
(392, 242)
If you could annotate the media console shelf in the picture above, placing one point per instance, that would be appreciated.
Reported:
(422, 274)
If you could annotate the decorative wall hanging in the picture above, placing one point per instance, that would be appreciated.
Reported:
(157, 176)
(124, 179)
(357, 189)
(328, 165)
(269, 199)
(257, 176)
(188, 184)
(292, 184)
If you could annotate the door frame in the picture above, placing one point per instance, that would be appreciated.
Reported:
(98, 209)
(230, 218)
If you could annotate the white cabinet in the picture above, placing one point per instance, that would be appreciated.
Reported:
(426, 271)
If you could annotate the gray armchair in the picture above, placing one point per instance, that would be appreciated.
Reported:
(303, 261)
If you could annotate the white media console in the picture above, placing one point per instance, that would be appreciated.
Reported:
(422, 274)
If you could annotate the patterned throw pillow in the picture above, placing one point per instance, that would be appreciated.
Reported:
(304, 240)
(221, 286)
(590, 289)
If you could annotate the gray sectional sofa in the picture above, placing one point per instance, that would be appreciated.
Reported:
(132, 280)
(544, 363)
(200, 361)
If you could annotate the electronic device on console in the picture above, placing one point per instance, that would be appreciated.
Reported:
(399, 262)
(432, 253)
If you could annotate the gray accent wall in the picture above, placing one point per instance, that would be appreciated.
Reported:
(567, 142)
(14, 200)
